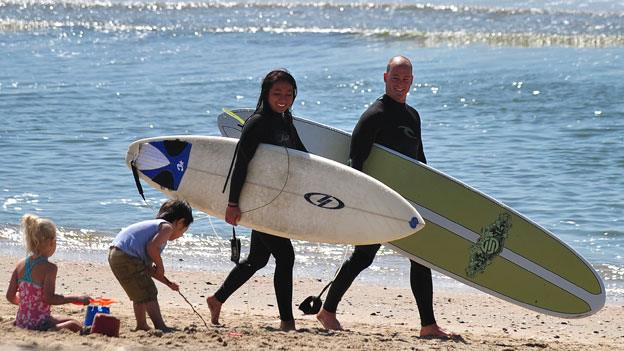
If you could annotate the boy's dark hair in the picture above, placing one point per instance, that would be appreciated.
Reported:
(172, 210)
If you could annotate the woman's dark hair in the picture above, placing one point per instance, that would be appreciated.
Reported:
(268, 82)
(172, 210)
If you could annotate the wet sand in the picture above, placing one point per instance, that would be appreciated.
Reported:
(375, 318)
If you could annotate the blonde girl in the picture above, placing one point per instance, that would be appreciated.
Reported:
(32, 285)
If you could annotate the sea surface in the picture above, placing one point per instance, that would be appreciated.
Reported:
(522, 100)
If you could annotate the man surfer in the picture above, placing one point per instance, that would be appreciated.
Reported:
(390, 122)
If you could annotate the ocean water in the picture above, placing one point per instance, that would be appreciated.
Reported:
(520, 99)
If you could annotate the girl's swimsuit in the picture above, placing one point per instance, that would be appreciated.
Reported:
(33, 312)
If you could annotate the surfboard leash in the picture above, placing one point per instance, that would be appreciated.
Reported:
(235, 243)
(235, 247)
(283, 185)
(312, 304)
(240, 123)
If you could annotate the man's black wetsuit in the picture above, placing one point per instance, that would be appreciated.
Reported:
(396, 126)
(276, 129)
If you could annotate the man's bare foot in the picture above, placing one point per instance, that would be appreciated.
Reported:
(287, 325)
(328, 320)
(435, 332)
(214, 306)
(143, 328)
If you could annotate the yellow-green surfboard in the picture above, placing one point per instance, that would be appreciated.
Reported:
(468, 235)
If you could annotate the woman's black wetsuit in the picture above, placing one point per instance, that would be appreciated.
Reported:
(276, 129)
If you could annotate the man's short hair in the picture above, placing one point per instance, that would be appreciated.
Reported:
(405, 60)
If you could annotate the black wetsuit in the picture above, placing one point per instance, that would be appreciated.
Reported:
(269, 128)
(396, 126)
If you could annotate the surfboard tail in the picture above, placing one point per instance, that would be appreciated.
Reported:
(162, 161)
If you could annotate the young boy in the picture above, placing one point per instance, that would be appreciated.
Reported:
(134, 258)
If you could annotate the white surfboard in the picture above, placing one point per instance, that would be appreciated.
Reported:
(469, 236)
(288, 193)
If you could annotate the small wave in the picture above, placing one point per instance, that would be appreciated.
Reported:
(10, 233)
(15, 202)
(422, 38)
(422, 22)
(612, 273)
(323, 5)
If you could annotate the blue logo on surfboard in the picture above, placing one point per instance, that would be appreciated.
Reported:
(165, 161)
(413, 222)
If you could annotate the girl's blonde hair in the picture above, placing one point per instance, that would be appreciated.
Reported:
(36, 232)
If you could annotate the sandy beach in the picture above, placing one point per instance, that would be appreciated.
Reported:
(376, 317)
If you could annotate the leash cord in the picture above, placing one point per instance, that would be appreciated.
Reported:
(283, 186)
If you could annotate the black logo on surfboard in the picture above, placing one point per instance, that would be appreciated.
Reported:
(324, 201)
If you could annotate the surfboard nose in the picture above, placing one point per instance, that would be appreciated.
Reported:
(413, 222)
(416, 222)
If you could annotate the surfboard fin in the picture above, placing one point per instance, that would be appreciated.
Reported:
(135, 173)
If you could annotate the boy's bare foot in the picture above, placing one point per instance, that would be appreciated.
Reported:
(287, 325)
(434, 331)
(145, 328)
(328, 320)
(214, 306)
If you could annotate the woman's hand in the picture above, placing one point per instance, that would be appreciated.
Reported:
(232, 214)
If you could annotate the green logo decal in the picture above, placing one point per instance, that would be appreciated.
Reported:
(489, 245)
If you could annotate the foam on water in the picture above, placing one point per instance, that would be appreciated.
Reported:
(425, 24)
(202, 251)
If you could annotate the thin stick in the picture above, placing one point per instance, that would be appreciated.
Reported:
(193, 308)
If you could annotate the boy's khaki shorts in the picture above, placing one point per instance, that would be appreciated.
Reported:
(133, 276)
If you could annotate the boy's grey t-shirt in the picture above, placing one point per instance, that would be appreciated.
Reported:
(133, 239)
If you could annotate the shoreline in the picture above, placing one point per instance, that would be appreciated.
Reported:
(315, 262)
(375, 317)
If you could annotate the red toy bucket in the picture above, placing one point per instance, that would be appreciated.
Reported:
(105, 324)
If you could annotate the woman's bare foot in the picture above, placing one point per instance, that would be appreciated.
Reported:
(287, 325)
(434, 331)
(328, 320)
(214, 306)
